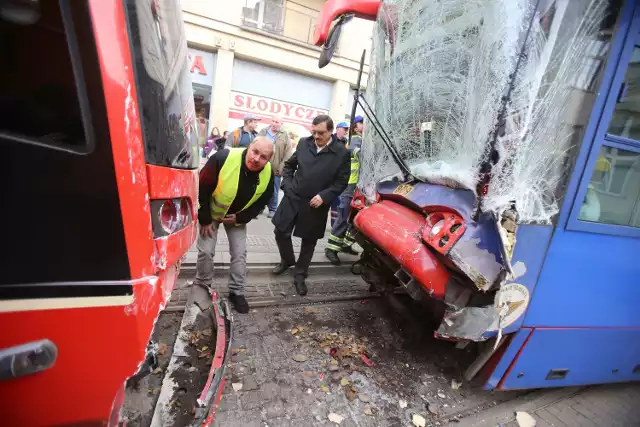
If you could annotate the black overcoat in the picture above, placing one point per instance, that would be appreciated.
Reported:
(306, 174)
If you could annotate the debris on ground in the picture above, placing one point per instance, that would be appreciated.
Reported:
(524, 419)
(455, 384)
(157, 371)
(236, 386)
(366, 360)
(441, 395)
(344, 382)
(237, 351)
(351, 393)
(419, 420)
(403, 404)
(433, 408)
(335, 418)
(300, 358)
(162, 348)
(368, 410)
(364, 398)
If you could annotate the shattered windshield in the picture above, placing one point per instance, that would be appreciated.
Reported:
(441, 72)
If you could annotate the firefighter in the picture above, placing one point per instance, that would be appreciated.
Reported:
(235, 186)
(342, 131)
(340, 239)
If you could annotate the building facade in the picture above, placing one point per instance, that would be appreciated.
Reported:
(250, 56)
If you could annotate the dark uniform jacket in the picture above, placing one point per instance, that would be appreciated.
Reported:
(247, 183)
(308, 173)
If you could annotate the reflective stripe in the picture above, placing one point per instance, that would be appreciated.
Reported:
(335, 239)
(227, 188)
(334, 247)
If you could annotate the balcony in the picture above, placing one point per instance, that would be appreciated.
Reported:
(288, 19)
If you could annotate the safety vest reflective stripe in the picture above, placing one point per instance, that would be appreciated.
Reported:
(355, 167)
(227, 188)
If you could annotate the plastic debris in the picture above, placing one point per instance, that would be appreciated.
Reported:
(441, 395)
(419, 420)
(236, 386)
(525, 420)
(366, 361)
(335, 418)
(344, 382)
(368, 411)
(403, 404)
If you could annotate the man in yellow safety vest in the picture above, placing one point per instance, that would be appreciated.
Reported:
(235, 186)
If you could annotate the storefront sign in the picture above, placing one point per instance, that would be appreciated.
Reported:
(201, 66)
(266, 107)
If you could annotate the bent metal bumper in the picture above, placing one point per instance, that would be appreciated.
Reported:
(398, 231)
(212, 391)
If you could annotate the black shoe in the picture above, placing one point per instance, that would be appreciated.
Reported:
(332, 256)
(280, 268)
(239, 302)
(349, 250)
(301, 287)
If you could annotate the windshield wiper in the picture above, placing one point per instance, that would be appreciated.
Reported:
(359, 99)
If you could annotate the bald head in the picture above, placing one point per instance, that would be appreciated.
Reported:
(259, 153)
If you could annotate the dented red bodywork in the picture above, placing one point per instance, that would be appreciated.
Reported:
(398, 231)
(102, 341)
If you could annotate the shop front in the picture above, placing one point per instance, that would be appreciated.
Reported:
(202, 68)
(267, 92)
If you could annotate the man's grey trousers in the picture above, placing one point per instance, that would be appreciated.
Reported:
(237, 235)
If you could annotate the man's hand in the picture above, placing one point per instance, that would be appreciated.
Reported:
(206, 230)
(316, 202)
(229, 219)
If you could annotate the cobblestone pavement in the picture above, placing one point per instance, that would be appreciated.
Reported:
(284, 376)
(615, 405)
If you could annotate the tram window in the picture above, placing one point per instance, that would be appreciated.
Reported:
(165, 94)
(43, 95)
(626, 117)
(614, 189)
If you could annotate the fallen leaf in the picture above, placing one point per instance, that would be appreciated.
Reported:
(333, 352)
(207, 332)
(368, 410)
(335, 418)
(403, 404)
(344, 382)
(351, 394)
(236, 351)
(236, 386)
(294, 331)
(366, 361)
(162, 348)
(204, 348)
(157, 371)
(324, 388)
(455, 384)
(364, 398)
(204, 354)
(419, 421)
(334, 362)
(441, 395)
(525, 420)
(300, 358)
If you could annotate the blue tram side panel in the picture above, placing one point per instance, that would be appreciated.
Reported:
(582, 323)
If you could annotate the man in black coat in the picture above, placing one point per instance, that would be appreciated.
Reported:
(316, 173)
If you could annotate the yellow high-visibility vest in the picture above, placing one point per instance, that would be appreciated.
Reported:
(227, 188)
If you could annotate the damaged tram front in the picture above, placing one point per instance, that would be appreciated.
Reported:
(500, 177)
(100, 190)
